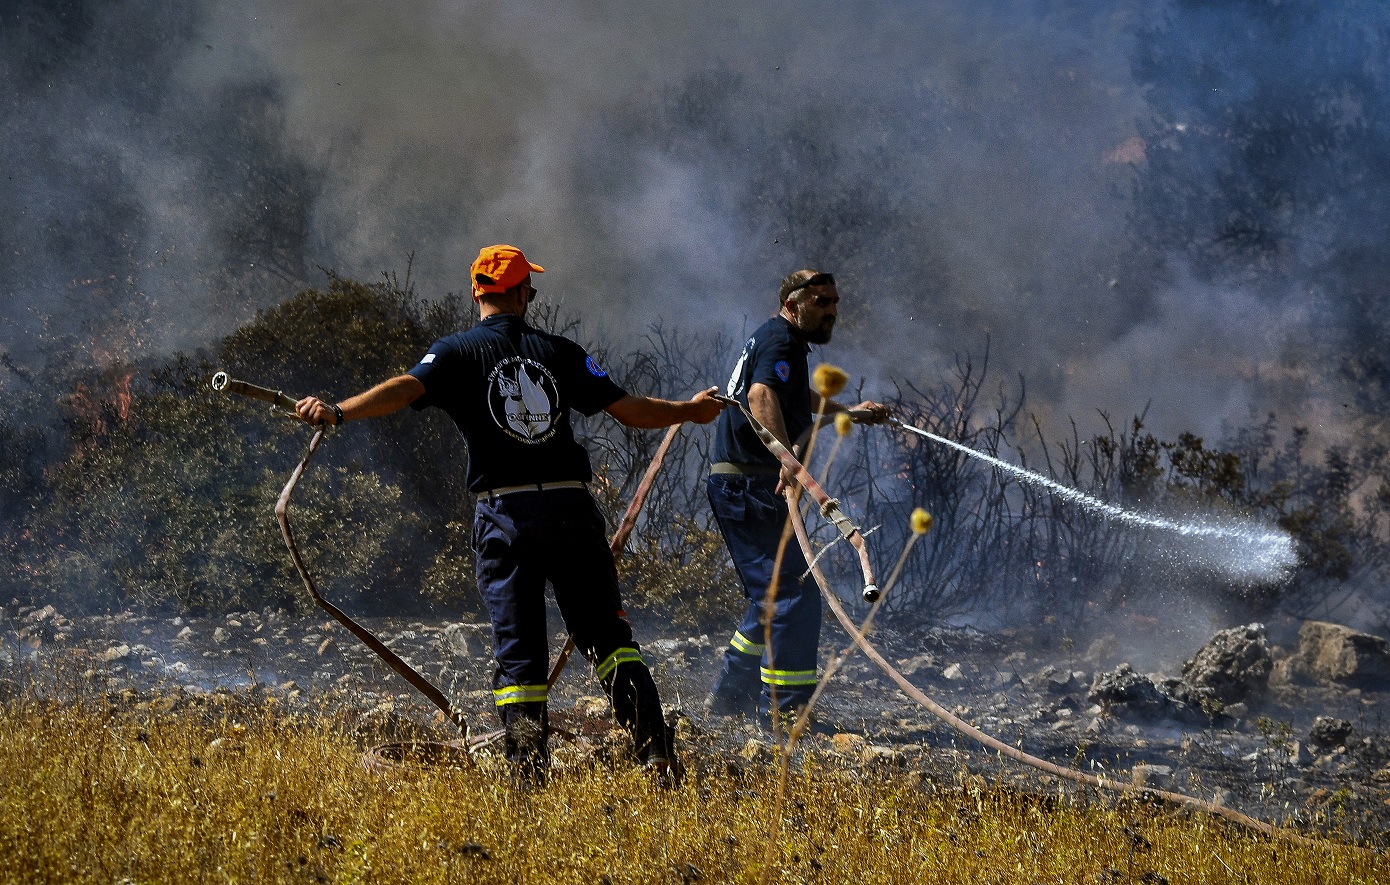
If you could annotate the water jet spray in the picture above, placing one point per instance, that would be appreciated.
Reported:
(1253, 552)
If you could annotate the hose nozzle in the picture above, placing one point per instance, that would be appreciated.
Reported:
(277, 398)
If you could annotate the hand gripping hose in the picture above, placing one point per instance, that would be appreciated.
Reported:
(829, 507)
(279, 399)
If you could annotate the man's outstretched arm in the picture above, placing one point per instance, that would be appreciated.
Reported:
(867, 412)
(383, 399)
(649, 412)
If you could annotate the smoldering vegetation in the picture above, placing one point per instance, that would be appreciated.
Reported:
(1165, 219)
(153, 490)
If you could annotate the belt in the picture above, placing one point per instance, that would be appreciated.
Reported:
(532, 487)
(745, 469)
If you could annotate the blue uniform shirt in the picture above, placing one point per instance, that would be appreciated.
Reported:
(775, 356)
(510, 388)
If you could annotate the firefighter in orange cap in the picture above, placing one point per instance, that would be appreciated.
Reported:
(510, 388)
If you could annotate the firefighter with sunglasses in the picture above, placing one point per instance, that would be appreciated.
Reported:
(745, 487)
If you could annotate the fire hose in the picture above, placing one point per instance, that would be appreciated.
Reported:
(282, 403)
(830, 510)
(829, 507)
(970, 731)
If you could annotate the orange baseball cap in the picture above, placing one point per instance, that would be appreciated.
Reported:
(498, 268)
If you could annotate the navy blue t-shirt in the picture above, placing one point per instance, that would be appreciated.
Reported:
(774, 356)
(510, 388)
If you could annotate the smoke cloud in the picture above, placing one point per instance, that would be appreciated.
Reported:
(1017, 173)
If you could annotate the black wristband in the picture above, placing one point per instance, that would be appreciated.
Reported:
(338, 411)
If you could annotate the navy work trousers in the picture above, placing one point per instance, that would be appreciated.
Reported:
(751, 517)
(520, 541)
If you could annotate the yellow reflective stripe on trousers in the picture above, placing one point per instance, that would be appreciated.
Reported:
(789, 677)
(620, 656)
(741, 643)
(520, 694)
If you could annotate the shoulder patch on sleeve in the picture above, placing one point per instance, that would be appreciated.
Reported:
(594, 368)
(429, 358)
(783, 369)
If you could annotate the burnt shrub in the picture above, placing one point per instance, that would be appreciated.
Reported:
(145, 486)
(165, 493)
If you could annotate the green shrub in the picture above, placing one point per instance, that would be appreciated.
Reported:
(693, 583)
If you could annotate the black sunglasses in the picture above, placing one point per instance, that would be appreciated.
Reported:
(820, 279)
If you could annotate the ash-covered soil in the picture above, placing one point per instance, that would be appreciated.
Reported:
(1312, 756)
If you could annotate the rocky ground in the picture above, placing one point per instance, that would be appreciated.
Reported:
(1297, 734)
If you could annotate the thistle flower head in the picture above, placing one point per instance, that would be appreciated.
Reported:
(829, 380)
(921, 521)
(843, 423)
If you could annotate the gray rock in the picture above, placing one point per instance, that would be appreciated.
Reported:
(1299, 757)
(39, 615)
(1123, 692)
(1060, 682)
(665, 651)
(1332, 762)
(1332, 653)
(468, 640)
(1158, 777)
(1234, 665)
(916, 664)
(1005, 680)
(1328, 731)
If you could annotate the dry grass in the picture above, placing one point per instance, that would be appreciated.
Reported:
(225, 789)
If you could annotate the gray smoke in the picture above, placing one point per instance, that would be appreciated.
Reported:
(1009, 172)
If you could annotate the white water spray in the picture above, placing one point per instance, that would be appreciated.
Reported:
(1244, 550)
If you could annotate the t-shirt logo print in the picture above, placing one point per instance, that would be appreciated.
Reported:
(522, 395)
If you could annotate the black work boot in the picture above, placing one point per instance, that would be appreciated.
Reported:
(781, 721)
(719, 703)
(736, 688)
(658, 758)
(526, 746)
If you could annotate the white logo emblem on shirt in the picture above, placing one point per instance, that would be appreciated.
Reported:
(522, 395)
(735, 386)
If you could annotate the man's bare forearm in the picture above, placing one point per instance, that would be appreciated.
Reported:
(763, 403)
(648, 412)
(383, 399)
(867, 412)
